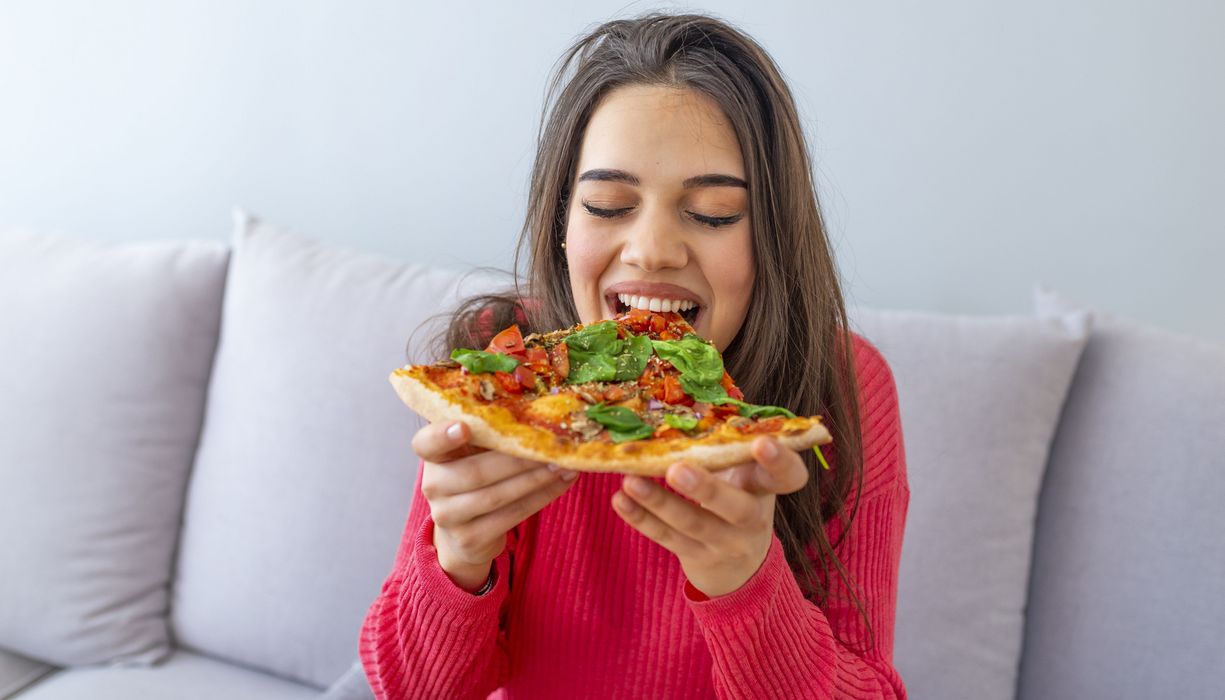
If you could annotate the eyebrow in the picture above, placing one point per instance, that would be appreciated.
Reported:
(709, 180)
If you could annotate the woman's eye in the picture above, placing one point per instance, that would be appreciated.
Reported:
(716, 221)
(711, 221)
(605, 213)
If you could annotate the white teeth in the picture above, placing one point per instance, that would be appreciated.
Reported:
(655, 304)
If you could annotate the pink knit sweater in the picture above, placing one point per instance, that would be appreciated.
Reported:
(585, 607)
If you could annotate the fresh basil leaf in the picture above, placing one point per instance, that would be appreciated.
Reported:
(597, 355)
(686, 423)
(623, 424)
(479, 361)
(706, 393)
(692, 357)
(590, 367)
(749, 410)
(631, 362)
(642, 432)
(613, 417)
(598, 337)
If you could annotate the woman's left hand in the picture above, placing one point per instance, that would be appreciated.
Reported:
(722, 533)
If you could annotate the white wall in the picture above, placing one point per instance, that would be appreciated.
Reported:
(966, 149)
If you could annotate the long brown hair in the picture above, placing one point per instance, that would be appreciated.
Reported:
(794, 348)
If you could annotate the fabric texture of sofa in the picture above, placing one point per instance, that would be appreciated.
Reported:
(204, 475)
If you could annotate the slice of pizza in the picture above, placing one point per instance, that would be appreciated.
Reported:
(633, 394)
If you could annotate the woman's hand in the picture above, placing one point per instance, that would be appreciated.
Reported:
(477, 496)
(722, 533)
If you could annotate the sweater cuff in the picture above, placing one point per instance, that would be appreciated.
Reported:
(436, 585)
(750, 600)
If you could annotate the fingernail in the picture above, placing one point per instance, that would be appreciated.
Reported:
(569, 475)
(624, 503)
(636, 486)
(768, 450)
(455, 432)
(686, 478)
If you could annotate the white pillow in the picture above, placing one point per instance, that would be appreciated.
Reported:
(106, 356)
(980, 398)
(305, 470)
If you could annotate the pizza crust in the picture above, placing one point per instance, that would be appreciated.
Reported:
(494, 428)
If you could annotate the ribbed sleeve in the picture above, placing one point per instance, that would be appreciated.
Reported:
(425, 637)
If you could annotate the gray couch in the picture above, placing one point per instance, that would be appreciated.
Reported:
(204, 475)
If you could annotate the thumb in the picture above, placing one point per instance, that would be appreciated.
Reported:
(779, 470)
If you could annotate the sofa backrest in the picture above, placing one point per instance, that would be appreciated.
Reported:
(1129, 557)
(980, 398)
(105, 352)
(305, 471)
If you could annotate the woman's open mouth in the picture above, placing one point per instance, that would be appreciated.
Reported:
(621, 303)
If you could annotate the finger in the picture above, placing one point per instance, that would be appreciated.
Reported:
(675, 512)
(653, 528)
(782, 470)
(478, 472)
(740, 476)
(731, 503)
(470, 505)
(511, 514)
(443, 442)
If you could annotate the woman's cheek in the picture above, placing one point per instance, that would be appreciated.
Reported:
(587, 264)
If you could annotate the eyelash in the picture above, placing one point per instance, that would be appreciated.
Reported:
(711, 221)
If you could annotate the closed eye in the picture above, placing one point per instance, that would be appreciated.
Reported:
(605, 213)
(711, 221)
(716, 221)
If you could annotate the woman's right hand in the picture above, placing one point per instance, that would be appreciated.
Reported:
(476, 496)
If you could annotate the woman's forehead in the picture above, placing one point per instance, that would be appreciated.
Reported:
(662, 135)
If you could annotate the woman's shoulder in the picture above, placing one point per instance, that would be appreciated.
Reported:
(872, 370)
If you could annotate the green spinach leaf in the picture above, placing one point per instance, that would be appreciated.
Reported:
(623, 424)
(479, 361)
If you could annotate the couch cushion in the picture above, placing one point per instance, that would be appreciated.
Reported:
(107, 350)
(980, 398)
(305, 470)
(1129, 560)
(16, 672)
(184, 676)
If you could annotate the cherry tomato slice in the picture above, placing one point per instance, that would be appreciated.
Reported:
(560, 357)
(639, 320)
(730, 387)
(673, 393)
(508, 342)
(525, 377)
(538, 358)
(614, 393)
(508, 382)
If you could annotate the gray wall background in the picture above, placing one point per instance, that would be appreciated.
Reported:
(965, 150)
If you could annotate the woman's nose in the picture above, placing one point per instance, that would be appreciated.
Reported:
(653, 243)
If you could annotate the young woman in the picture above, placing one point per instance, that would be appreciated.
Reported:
(671, 168)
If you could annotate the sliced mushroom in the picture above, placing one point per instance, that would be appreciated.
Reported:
(487, 390)
(584, 426)
(739, 422)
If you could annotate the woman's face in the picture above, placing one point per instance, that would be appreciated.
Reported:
(658, 216)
